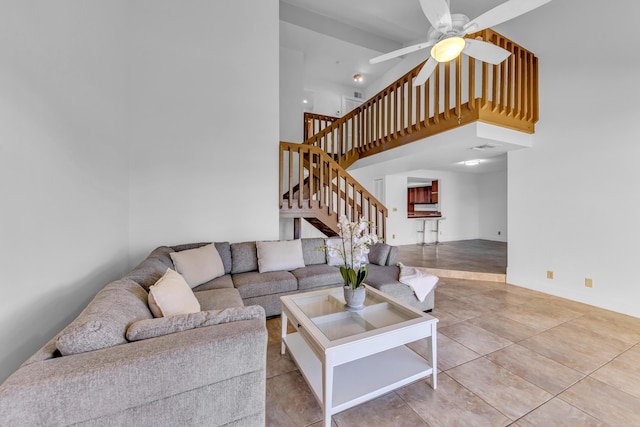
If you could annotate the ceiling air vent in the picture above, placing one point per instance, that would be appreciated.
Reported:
(484, 147)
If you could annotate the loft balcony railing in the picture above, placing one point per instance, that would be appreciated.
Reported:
(459, 92)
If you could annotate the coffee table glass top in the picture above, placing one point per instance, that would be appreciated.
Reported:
(329, 314)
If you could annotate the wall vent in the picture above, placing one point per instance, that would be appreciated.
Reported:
(357, 95)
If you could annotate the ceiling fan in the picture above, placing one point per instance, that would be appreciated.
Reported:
(447, 32)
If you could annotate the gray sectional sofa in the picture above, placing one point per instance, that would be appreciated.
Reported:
(117, 365)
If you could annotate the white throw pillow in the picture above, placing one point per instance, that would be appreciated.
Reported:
(279, 255)
(198, 265)
(172, 295)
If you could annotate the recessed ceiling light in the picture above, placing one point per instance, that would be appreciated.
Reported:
(304, 101)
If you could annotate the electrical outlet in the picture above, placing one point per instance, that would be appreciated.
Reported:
(395, 210)
(549, 274)
(588, 283)
(393, 236)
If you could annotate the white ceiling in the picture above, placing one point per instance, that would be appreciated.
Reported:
(339, 37)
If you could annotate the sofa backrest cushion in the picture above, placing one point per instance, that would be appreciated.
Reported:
(151, 328)
(244, 257)
(104, 322)
(313, 251)
(334, 257)
(198, 265)
(152, 268)
(223, 248)
(280, 255)
(393, 256)
(379, 253)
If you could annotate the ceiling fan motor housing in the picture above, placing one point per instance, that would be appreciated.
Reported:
(458, 21)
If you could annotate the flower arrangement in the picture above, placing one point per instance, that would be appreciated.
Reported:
(353, 250)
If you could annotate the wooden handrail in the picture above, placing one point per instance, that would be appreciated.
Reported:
(457, 93)
(314, 123)
(312, 183)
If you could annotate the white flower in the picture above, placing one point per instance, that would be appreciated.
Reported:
(355, 242)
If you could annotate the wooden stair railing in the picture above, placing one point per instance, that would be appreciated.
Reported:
(315, 187)
(314, 123)
(459, 92)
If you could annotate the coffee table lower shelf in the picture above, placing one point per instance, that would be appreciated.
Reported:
(360, 380)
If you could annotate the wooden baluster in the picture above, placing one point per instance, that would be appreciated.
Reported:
(485, 85)
(472, 84)
(426, 87)
(436, 94)
(447, 90)
(459, 88)
(418, 90)
(389, 113)
(518, 83)
(402, 108)
(410, 121)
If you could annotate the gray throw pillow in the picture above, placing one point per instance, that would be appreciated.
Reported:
(379, 253)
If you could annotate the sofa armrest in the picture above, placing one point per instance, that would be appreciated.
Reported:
(72, 389)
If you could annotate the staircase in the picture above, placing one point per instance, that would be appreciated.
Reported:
(314, 181)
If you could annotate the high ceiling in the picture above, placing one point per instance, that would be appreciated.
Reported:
(339, 37)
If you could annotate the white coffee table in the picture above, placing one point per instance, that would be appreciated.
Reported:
(350, 357)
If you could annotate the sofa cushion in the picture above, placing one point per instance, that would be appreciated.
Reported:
(318, 275)
(217, 283)
(217, 299)
(244, 257)
(379, 253)
(104, 322)
(172, 295)
(281, 255)
(254, 284)
(223, 248)
(152, 268)
(381, 275)
(198, 265)
(151, 328)
(313, 251)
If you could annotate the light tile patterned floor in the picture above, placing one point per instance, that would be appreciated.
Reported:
(507, 356)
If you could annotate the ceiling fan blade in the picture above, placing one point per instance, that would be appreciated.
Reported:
(400, 52)
(425, 71)
(438, 14)
(501, 13)
(484, 51)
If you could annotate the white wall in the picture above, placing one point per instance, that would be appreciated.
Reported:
(63, 166)
(291, 95)
(573, 202)
(204, 122)
(124, 127)
(492, 206)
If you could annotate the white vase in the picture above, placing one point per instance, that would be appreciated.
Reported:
(354, 297)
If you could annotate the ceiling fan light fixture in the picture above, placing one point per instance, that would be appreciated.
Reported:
(447, 49)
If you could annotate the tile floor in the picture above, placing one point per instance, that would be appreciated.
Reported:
(476, 255)
(507, 356)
